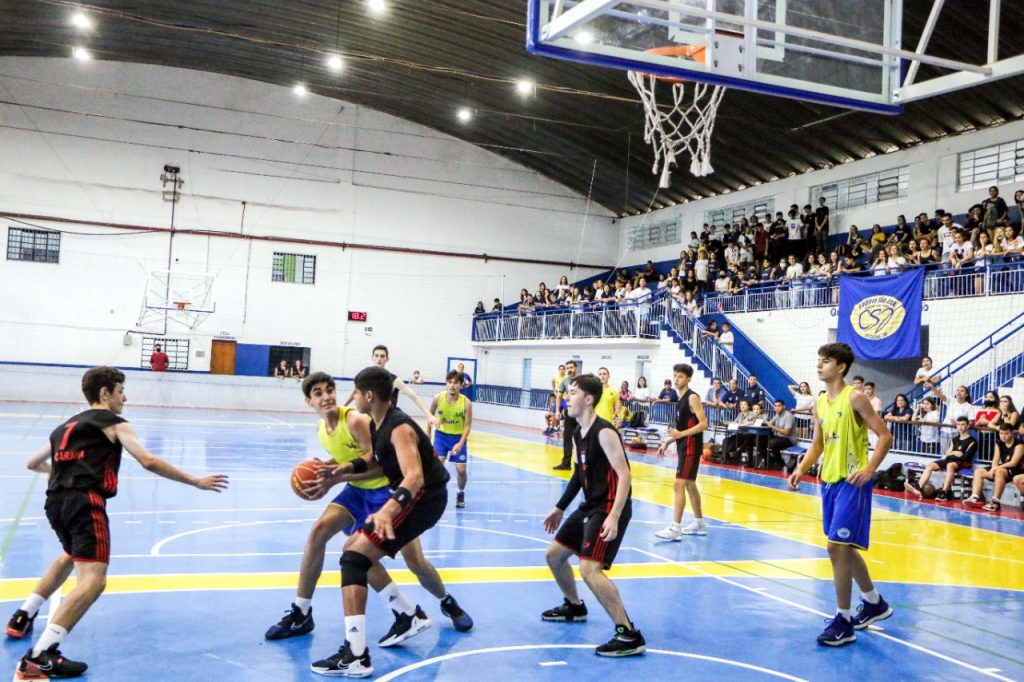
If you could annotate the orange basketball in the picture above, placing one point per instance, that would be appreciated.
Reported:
(303, 473)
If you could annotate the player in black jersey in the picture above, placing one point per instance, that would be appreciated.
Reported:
(596, 529)
(1007, 465)
(82, 459)
(380, 358)
(691, 422)
(405, 455)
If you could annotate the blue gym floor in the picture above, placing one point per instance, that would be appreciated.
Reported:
(197, 577)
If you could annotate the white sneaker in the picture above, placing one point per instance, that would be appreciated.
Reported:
(695, 528)
(673, 532)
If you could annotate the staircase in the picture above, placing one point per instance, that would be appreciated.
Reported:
(993, 363)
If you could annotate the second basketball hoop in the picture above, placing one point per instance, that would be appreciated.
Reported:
(684, 118)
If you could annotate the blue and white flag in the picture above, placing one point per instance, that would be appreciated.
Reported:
(880, 317)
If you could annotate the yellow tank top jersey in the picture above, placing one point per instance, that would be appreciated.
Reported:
(605, 407)
(845, 440)
(344, 448)
(452, 416)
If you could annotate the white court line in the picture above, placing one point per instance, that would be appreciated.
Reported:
(227, 555)
(155, 550)
(547, 663)
(395, 674)
(221, 510)
(782, 600)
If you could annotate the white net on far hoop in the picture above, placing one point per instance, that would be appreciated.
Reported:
(683, 124)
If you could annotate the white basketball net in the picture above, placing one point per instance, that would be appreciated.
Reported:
(684, 124)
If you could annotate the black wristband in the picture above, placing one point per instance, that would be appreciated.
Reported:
(359, 465)
(402, 496)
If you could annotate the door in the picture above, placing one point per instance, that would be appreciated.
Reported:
(222, 357)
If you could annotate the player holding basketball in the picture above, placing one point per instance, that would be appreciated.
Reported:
(595, 530)
(454, 412)
(380, 357)
(842, 417)
(419, 484)
(345, 434)
(691, 422)
(83, 458)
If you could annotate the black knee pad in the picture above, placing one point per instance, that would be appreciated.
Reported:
(354, 567)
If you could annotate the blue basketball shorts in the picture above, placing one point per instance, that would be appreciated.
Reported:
(443, 444)
(846, 513)
(360, 503)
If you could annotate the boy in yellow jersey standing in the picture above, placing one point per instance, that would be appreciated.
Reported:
(609, 402)
(842, 417)
(345, 434)
(454, 412)
(559, 403)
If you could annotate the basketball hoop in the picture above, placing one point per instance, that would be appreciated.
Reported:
(688, 119)
(182, 305)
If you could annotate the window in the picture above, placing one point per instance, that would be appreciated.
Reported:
(981, 168)
(864, 190)
(176, 349)
(39, 246)
(729, 215)
(293, 267)
(646, 236)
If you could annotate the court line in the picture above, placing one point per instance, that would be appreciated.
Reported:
(155, 549)
(395, 674)
(222, 555)
(16, 521)
(872, 629)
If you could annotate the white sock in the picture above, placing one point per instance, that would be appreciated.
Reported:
(396, 600)
(355, 634)
(674, 525)
(53, 634)
(33, 604)
(872, 597)
(699, 520)
(304, 605)
(846, 613)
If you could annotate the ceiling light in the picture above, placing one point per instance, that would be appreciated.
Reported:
(334, 63)
(300, 89)
(377, 6)
(525, 87)
(464, 114)
(81, 20)
(81, 54)
(584, 38)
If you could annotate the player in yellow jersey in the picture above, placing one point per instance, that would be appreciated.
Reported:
(345, 435)
(609, 402)
(842, 417)
(557, 405)
(454, 413)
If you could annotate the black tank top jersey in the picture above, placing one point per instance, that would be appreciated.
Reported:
(434, 473)
(686, 419)
(597, 477)
(81, 455)
(394, 391)
(1005, 452)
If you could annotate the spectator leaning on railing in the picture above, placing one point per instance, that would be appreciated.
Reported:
(928, 417)
(668, 394)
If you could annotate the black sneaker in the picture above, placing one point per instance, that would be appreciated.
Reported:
(562, 467)
(404, 627)
(941, 496)
(20, 624)
(460, 619)
(567, 612)
(626, 642)
(50, 664)
(292, 625)
(345, 664)
(460, 500)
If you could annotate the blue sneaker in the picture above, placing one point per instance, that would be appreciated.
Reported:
(839, 632)
(460, 619)
(869, 613)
